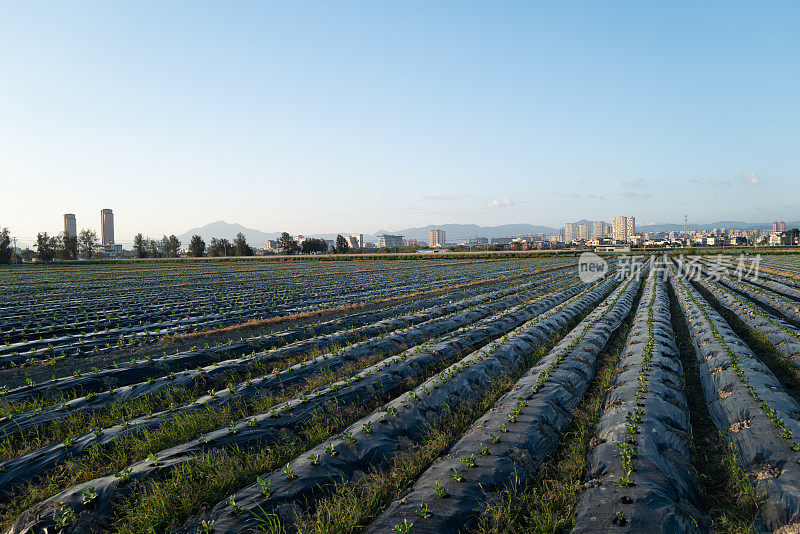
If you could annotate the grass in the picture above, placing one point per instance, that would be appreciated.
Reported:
(74, 425)
(80, 423)
(160, 505)
(546, 505)
(731, 500)
(351, 506)
(136, 446)
(783, 369)
(211, 478)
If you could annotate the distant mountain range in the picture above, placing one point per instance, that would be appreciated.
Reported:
(456, 233)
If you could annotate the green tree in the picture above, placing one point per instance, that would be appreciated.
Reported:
(313, 245)
(27, 255)
(140, 246)
(152, 248)
(170, 246)
(241, 248)
(287, 244)
(165, 247)
(68, 247)
(197, 247)
(220, 247)
(342, 246)
(6, 252)
(87, 243)
(45, 247)
(174, 246)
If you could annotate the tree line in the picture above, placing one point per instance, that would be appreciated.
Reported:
(86, 245)
(167, 247)
(48, 248)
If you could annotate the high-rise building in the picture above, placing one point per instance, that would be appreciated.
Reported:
(107, 227)
(583, 232)
(619, 229)
(437, 238)
(70, 226)
(630, 227)
(598, 229)
(570, 232)
(778, 226)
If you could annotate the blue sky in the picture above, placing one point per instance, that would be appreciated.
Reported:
(355, 116)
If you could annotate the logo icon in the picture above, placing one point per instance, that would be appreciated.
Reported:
(591, 267)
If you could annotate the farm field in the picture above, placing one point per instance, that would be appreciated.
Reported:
(410, 396)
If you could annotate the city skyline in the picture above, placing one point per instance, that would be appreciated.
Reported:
(387, 117)
(583, 228)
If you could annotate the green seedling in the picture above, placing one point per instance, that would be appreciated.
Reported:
(265, 486)
(423, 512)
(235, 509)
(89, 496)
(63, 518)
(289, 473)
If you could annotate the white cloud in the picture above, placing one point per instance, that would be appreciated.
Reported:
(752, 178)
(718, 183)
(504, 203)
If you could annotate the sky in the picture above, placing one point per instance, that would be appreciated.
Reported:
(357, 116)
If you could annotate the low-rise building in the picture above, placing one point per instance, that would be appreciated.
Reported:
(390, 241)
(111, 250)
(779, 239)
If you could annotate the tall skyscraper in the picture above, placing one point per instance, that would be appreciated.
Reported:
(70, 226)
(570, 232)
(583, 232)
(778, 226)
(619, 228)
(598, 229)
(107, 227)
(623, 228)
(630, 226)
(437, 238)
